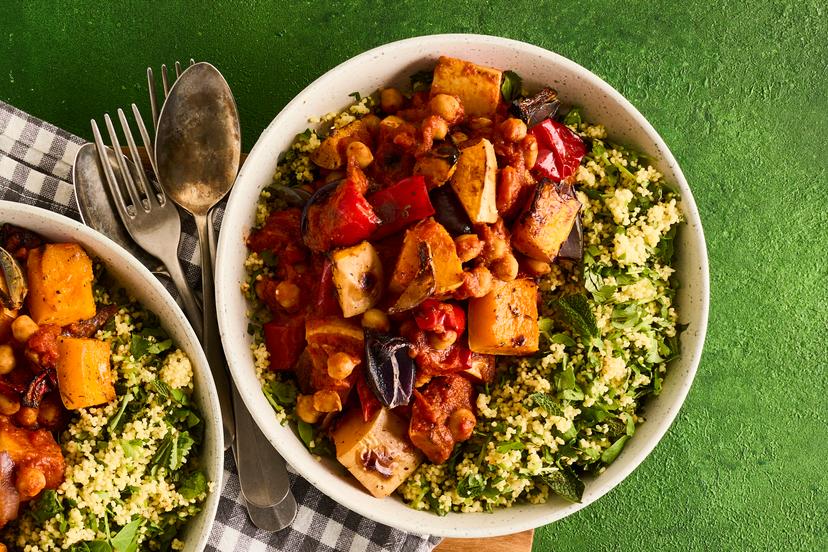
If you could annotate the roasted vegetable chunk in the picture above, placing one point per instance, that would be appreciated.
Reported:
(475, 181)
(83, 372)
(442, 416)
(505, 322)
(358, 277)
(448, 271)
(477, 87)
(376, 452)
(546, 221)
(60, 284)
(331, 153)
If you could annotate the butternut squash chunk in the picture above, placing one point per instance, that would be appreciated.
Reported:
(545, 223)
(83, 372)
(378, 453)
(505, 322)
(60, 284)
(448, 270)
(330, 155)
(475, 181)
(477, 87)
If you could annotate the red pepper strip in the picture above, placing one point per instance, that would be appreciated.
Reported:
(559, 150)
(285, 341)
(399, 205)
(325, 301)
(345, 218)
(434, 316)
(367, 399)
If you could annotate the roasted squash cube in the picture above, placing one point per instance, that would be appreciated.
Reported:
(475, 181)
(358, 278)
(60, 284)
(477, 87)
(448, 270)
(546, 221)
(83, 372)
(505, 322)
(378, 452)
(331, 153)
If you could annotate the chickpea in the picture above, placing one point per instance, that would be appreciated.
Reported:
(360, 153)
(446, 106)
(375, 319)
(480, 122)
(461, 423)
(8, 406)
(7, 360)
(439, 127)
(30, 481)
(505, 268)
(468, 247)
(287, 295)
(372, 122)
(48, 414)
(23, 328)
(27, 416)
(513, 130)
(340, 365)
(483, 281)
(529, 144)
(305, 409)
(499, 248)
(391, 122)
(327, 400)
(508, 188)
(3, 548)
(535, 267)
(391, 100)
(442, 341)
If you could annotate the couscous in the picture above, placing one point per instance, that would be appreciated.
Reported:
(119, 434)
(465, 292)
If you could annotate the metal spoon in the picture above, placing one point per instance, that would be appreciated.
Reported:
(197, 152)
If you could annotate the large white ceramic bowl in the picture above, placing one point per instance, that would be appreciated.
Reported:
(391, 65)
(146, 288)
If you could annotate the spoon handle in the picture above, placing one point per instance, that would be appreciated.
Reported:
(211, 339)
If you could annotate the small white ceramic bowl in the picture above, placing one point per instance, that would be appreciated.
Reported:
(391, 65)
(146, 288)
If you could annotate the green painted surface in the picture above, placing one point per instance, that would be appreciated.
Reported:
(738, 91)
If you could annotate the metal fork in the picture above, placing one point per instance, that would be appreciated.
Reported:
(149, 217)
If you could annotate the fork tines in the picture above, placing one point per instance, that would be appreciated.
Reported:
(165, 83)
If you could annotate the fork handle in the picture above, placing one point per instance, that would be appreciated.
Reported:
(211, 339)
(185, 292)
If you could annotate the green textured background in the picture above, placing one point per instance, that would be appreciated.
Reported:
(739, 92)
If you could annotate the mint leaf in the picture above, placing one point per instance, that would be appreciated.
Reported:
(305, 432)
(511, 85)
(575, 312)
(565, 484)
(573, 117)
(126, 540)
(47, 507)
(280, 394)
(614, 450)
(548, 403)
(421, 80)
(471, 486)
(194, 485)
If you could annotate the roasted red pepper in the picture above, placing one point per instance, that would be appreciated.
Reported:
(344, 218)
(559, 150)
(367, 399)
(325, 302)
(399, 205)
(435, 316)
(285, 341)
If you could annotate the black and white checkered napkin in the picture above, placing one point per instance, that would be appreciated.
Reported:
(35, 168)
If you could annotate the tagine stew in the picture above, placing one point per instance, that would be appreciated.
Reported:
(462, 294)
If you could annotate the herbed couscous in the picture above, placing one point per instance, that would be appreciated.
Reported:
(561, 403)
(129, 435)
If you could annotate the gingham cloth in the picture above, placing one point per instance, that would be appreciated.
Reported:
(35, 168)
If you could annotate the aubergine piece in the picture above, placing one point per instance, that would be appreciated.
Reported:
(13, 287)
(449, 212)
(319, 196)
(573, 247)
(536, 108)
(390, 370)
(422, 286)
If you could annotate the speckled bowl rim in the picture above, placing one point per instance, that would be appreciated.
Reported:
(140, 282)
(238, 219)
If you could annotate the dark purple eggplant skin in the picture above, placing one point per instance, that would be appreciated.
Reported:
(390, 369)
(537, 107)
(318, 196)
(449, 212)
(573, 247)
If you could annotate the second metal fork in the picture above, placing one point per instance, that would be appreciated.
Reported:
(150, 218)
